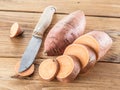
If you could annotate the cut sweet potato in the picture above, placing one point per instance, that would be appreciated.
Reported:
(15, 30)
(28, 72)
(105, 42)
(89, 41)
(48, 69)
(92, 61)
(69, 68)
(80, 51)
(64, 33)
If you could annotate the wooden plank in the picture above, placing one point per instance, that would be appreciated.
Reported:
(78, 88)
(19, 85)
(90, 7)
(28, 85)
(104, 75)
(16, 46)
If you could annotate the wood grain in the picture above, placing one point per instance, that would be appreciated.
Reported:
(16, 46)
(96, 7)
(103, 75)
(78, 88)
(19, 85)
(101, 15)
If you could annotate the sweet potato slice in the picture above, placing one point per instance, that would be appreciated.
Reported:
(15, 30)
(80, 51)
(64, 33)
(48, 69)
(89, 41)
(69, 68)
(92, 61)
(28, 72)
(104, 40)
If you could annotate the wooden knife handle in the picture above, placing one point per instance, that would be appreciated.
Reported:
(44, 21)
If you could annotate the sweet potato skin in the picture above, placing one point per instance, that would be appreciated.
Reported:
(64, 33)
(104, 40)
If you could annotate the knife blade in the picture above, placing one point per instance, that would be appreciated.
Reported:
(36, 40)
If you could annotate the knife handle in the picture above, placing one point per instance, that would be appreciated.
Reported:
(44, 21)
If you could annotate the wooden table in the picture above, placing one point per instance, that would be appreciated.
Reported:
(101, 15)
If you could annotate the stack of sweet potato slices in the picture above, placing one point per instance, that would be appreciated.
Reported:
(79, 57)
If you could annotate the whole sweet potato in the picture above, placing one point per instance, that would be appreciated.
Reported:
(64, 33)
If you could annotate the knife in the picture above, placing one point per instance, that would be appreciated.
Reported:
(36, 40)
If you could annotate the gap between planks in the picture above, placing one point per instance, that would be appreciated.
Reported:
(104, 16)
(97, 7)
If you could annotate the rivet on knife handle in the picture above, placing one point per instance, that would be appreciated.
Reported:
(44, 21)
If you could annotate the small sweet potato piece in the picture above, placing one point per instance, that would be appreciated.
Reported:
(89, 41)
(92, 60)
(104, 40)
(80, 51)
(15, 30)
(69, 68)
(48, 69)
(28, 72)
(64, 33)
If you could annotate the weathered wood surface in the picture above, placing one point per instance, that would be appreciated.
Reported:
(103, 75)
(90, 7)
(100, 15)
(16, 46)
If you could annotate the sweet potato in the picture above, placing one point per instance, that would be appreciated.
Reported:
(80, 51)
(15, 30)
(28, 72)
(104, 40)
(64, 33)
(48, 69)
(69, 68)
(97, 40)
(92, 60)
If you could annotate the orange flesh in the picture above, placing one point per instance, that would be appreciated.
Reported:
(28, 72)
(89, 41)
(104, 40)
(66, 66)
(92, 60)
(48, 69)
(80, 51)
(69, 68)
(15, 30)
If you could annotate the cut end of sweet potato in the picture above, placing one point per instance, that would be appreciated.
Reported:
(92, 61)
(15, 30)
(104, 40)
(28, 72)
(48, 69)
(80, 51)
(69, 68)
(89, 41)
